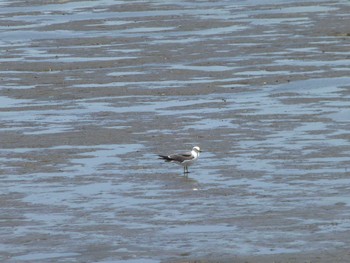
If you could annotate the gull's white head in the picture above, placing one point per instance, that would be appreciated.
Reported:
(196, 149)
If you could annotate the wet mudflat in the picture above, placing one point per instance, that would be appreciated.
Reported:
(91, 91)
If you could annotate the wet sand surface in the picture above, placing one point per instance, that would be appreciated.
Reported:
(92, 91)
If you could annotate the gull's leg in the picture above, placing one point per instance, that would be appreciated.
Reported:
(186, 171)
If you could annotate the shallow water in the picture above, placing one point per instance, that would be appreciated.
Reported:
(91, 92)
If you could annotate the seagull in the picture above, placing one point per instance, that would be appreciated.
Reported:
(184, 159)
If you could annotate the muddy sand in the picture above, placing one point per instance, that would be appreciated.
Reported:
(92, 91)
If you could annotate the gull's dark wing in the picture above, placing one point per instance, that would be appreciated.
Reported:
(181, 157)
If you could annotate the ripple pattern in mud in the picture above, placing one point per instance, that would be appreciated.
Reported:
(91, 91)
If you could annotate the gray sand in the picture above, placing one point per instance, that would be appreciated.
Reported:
(92, 91)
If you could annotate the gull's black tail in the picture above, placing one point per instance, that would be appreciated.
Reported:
(165, 158)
